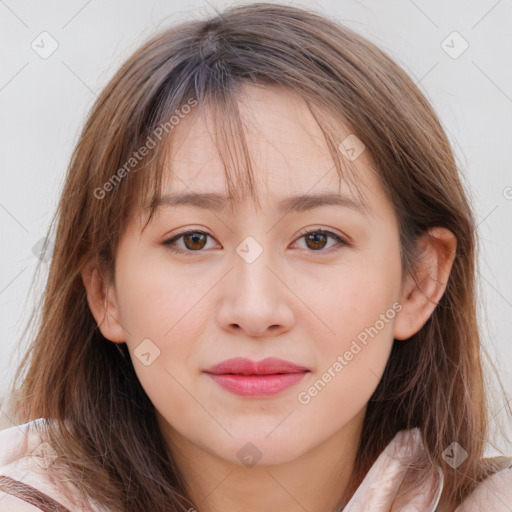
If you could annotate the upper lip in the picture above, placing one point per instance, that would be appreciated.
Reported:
(244, 366)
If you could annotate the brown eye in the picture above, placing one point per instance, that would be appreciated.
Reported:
(316, 240)
(195, 240)
(191, 241)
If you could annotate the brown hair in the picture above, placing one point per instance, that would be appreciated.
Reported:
(107, 433)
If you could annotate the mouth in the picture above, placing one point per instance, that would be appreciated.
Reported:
(248, 378)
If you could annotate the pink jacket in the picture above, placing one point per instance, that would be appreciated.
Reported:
(23, 461)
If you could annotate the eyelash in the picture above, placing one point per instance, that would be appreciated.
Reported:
(168, 243)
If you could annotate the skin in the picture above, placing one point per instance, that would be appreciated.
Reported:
(295, 301)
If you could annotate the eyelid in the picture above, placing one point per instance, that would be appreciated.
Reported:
(341, 240)
(168, 242)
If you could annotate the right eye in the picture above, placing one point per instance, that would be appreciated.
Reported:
(194, 241)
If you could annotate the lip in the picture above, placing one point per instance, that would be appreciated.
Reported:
(267, 377)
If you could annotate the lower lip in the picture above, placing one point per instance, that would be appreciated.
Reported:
(257, 385)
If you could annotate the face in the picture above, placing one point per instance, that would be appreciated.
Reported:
(317, 287)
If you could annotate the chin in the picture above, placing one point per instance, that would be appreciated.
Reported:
(258, 450)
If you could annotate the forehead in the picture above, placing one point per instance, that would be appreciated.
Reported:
(286, 147)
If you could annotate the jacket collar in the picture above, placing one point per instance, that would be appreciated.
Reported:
(381, 488)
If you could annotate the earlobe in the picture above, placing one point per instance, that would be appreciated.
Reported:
(426, 285)
(102, 303)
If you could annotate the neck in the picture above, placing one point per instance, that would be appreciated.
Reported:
(316, 481)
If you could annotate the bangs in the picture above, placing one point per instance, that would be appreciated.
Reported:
(219, 106)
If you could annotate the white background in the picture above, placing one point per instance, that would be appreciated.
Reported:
(44, 102)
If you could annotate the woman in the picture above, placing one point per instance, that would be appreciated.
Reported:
(262, 292)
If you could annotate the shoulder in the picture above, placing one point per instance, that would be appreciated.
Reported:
(494, 492)
(9, 503)
(20, 442)
(23, 456)
(25, 459)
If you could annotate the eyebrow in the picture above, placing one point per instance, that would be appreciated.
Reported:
(296, 203)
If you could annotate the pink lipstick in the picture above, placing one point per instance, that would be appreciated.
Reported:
(249, 378)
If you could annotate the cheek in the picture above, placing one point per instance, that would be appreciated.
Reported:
(352, 361)
(172, 318)
(159, 301)
(355, 302)
(354, 357)
(359, 307)
(167, 306)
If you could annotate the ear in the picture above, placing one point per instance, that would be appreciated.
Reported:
(424, 287)
(102, 302)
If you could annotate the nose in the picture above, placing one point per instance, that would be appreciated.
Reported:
(255, 299)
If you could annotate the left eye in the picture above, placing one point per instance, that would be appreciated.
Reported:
(317, 239)
(195, 241)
